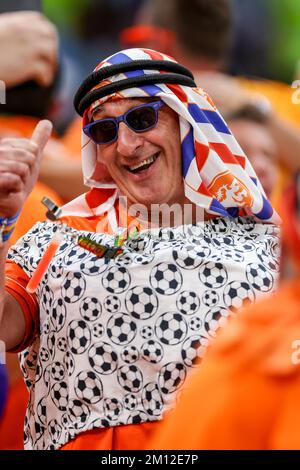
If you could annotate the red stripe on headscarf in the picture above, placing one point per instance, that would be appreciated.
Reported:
(178, 91)
(226, 155)
(203, 190)
(202, 152)
(153, 54)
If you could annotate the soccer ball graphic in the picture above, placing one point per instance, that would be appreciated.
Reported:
(213, 275)
(166, 278)
(152, 400)
(146, 332)
(130, 378)
(232, 254)
(141, 302)
(188, 302)
(137, 417)
(103, 358)
(98, 330)
(55, 430)
(112, 408)
(73, 287)
(69, 363)
(44, 354)
(47, 296)
(214, 319)
(116, 279)
(189, 257)
(237, 294)
(152, 351)
(171, 377)
(112, 303)
(195, 323)
(57, 371)
(144, 259)
(130, 354)
(210, 298)
(51, 342)
(121, 329)
(79, 336)
(88, 387)
(75, 254)
(59, 395)
(193, 350)
(271, 262)
(90, 309)
(259, 277)
(58, 314)
(129, 401)
(42, 410)
(93, 266)
(171, 328)
(79, 413)
(62, 344)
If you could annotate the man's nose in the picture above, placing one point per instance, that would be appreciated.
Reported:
(128, 140)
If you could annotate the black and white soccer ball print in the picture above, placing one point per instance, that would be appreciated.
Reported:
(119, 336)
(88, 387)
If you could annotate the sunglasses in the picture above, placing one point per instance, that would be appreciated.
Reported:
(139, 119)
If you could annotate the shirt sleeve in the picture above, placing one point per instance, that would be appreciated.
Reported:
(22, 260)
(15, 284)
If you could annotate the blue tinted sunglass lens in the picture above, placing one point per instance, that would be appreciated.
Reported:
(141, 119)
(103, 132)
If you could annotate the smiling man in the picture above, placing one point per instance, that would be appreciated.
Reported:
(143, 155)
(120, 317)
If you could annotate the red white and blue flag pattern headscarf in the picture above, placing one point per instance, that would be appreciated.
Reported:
(217, 175)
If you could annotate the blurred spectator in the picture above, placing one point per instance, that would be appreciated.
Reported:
(88, 30)
(249, 125)
(28, 49)
(31, 40)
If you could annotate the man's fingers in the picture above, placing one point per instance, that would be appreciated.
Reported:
(41, 134)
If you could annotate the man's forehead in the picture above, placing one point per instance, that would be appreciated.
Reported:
(120, 103)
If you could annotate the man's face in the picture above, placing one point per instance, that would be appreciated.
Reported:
(161, 181)
(259, 146)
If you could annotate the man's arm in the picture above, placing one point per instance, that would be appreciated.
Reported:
(19, 167)
(12, 322)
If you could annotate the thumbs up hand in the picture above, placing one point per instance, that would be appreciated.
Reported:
(19, 167)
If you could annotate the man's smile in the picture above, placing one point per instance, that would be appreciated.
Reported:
(143, 165)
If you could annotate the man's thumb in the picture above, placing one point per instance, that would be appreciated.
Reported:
(42, 133)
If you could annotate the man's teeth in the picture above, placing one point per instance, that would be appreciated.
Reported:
(143, 163)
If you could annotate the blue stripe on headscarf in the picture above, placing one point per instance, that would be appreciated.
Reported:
(134, 73)
(119, 58)
(233, 211)
(267, 210)
(151, 90)
(188, 151)
(216, 206)
(208, 117)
